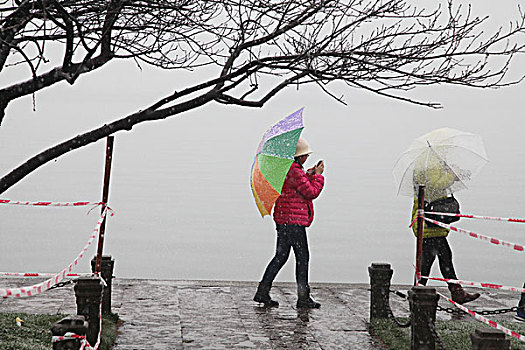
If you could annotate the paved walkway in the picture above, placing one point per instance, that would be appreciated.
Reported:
(161, 314)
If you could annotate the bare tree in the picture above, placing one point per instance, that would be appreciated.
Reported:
(257, 49)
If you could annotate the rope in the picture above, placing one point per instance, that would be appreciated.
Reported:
(43, 286)
(84, 343)
(50, 204)
(39, 274)
(496, 241)
(476, 284)
(486, 320)
(471, 216)
(66, 336)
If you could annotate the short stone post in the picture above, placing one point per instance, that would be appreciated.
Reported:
(489, 339)
(380, 275)
(88, 292)
(71, 324)
(423, 303)
(107, 265)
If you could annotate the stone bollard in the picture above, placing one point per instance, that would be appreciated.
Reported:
(489, 339)
(423, 303)
(106, 272)
(88, 292)
(71, 324)
(380, 275)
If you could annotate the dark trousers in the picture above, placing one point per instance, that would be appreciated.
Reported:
(521, 303)
(437, 247)
(290, 236)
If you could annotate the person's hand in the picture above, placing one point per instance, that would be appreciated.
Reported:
(319, 168)
(311, 171)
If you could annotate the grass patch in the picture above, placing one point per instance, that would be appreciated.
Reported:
(35, 334)
(454, 334)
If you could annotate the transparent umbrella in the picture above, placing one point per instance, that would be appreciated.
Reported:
(443, 160)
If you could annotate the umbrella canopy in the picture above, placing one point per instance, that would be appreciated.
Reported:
(443, 160)
(273, 159)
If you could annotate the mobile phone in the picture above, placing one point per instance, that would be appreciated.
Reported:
(319, 162)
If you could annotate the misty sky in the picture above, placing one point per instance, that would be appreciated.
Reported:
(180, 187)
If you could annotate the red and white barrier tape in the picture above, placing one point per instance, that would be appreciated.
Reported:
(419, 213)
(43, 286)
(39, 274)
(72, 276)
(496, 241)
(67, 336)
(476, 284)
(49, 204)
(486, 320)
(85, 344)
(470, 216)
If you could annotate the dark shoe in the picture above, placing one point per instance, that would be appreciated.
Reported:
(305, 301)
(520, 315)
(459, 295)
(263, 295)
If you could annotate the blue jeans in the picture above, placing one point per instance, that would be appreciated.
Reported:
(288, 237)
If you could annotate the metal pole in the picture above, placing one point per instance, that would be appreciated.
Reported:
(420, 223)
(105, 195)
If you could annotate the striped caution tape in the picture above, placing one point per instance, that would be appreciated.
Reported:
(59, 204)
(47, 284)
(420, 213)
(496, 241)
(40, 274)
(470, 216)
(84, 343)
(486, 320)
(49, 204)
(67, 336)
(476, 284)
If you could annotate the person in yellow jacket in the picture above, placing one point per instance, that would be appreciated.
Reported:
(438, 178)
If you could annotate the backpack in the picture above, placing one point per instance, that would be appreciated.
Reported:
(442, 205)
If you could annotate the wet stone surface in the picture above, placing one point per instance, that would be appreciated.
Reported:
(161, 314)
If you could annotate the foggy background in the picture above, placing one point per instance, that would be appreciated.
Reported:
(180, 187)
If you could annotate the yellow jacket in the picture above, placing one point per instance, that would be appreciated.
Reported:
(427, 231)
(437, 178)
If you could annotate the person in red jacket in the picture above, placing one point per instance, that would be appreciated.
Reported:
(293, 213)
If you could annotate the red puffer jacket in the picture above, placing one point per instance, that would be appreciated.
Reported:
(294, 205)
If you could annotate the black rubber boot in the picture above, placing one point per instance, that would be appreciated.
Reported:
(263, 295)
(305, 301)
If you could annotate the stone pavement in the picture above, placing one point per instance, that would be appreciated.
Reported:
(170, 314)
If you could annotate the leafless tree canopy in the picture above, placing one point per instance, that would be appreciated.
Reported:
(257, 49)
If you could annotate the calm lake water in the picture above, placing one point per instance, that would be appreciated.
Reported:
(182, 201)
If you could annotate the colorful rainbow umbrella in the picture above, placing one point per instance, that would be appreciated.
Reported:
(273, 159)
